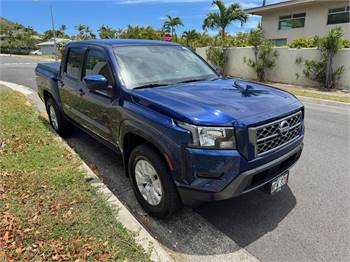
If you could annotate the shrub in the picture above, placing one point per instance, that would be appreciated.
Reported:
(345, 43)
(61, 46)
(322, 71)
(300, 43)
(264, 54)
(216, 56)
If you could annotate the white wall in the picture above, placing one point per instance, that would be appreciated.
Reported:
(47, 49)
(286, 70)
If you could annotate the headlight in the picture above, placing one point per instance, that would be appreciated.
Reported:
(211, 137)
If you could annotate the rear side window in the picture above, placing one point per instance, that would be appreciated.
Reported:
(73, 68)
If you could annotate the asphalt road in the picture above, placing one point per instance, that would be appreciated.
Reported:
(308, 221)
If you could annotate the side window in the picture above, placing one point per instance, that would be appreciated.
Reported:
(73, 68)
(96, 64)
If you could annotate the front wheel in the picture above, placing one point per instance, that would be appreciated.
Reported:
(152, 183)
(56, 118)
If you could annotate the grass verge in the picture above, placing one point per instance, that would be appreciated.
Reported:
(326, 96)
(308, 92)
(48, 211)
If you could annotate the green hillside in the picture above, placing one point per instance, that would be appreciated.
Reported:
(17, 38)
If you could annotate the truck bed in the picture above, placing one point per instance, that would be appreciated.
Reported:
(46, 79)
(52, 67)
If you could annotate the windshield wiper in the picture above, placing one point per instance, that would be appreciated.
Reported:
(189, 81)
(150, 85)
(197, 80)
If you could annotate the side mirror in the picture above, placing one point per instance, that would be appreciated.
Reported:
(95, 82)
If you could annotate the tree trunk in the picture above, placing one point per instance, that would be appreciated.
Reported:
(329, 70)
(256, 52)
(223, 35)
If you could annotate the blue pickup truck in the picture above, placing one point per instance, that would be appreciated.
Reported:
(187, 134)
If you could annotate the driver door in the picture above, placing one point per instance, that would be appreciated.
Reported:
(96, 106)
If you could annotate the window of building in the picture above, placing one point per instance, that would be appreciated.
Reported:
(338, 15)
(279, 42)
(73, 68)
(291, 21)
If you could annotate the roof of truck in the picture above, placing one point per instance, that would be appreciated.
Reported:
(112, 42)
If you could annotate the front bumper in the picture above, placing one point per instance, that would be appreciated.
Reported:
(246, 181)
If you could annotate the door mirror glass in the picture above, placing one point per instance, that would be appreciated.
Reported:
(95, 82)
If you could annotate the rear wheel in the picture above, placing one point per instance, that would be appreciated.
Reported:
(56, 118)
(152, 183)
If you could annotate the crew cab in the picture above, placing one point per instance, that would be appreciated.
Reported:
(187, 135)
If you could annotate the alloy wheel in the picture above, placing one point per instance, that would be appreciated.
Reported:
(148, 182)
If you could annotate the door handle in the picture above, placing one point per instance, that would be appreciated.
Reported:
(81, 92)
(60, 83)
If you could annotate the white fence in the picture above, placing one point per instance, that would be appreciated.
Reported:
(286, 69)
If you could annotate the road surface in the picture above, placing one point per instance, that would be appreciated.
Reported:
(309, 220)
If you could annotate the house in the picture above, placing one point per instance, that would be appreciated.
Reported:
(283, 22)
(48, 47)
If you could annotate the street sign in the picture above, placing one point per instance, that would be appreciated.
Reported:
(167, 37)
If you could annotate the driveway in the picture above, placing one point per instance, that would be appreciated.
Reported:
(309, 220)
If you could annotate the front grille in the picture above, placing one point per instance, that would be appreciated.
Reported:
(276, 134)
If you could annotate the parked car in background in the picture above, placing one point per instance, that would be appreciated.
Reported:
(36, 52)
(186, 134)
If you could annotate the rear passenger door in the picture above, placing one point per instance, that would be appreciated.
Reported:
(97, 106)
(70, 84)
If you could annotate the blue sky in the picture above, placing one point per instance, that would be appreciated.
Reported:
(117, 13)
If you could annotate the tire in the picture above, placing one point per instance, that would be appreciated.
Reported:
(56, 118)
(169, 201)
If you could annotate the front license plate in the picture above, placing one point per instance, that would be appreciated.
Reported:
(279, 182)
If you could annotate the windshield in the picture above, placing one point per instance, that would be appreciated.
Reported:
(160, 64)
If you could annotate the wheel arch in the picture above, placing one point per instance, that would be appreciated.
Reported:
(132, 139)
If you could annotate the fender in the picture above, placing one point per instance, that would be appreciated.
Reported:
(152, 135)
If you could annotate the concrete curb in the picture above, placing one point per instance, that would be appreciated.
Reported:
(22, 89)
(140, 234)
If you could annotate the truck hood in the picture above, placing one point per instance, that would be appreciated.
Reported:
(219, 102)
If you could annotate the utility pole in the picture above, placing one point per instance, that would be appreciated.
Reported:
(54, 33)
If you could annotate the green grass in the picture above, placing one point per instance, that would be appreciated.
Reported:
(48, 211)
(325, 96)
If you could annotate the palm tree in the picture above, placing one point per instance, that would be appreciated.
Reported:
(80, 27)
(190, 35)
(85, 32)
(222, 18)
(171, 23)
(88, 34)
(106, 32)
(62, 28)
